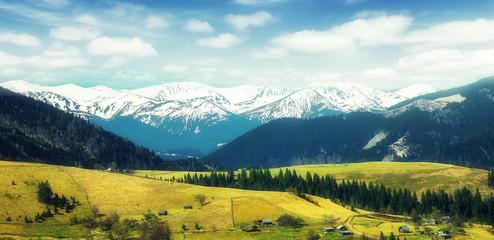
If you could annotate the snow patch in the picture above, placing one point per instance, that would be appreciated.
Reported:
(400, 148)
(375, 140)
(457, 98)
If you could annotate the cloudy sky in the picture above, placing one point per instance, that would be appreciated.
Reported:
(128, 44)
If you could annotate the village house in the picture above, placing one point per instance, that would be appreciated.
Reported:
(404, 229)
(188, 206)
(430, 221)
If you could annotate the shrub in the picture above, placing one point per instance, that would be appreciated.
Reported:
(83, 216)
(287, 220)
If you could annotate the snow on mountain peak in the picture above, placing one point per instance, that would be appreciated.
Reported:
(415, 90)
(188, 103)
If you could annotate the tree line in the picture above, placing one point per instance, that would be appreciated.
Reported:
(33, 131)
(464, 203)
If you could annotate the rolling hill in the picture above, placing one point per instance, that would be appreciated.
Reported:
(452, 126)
(131, 196)
(223, 215)
(34, 131)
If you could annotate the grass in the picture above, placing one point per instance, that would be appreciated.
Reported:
(415, 176)
(131, 196)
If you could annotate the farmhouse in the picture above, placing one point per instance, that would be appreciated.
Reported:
(162, 213)
(446, 219)
(328, 229)
(341, 228)
(346, 233)
(430, 221)
(443, 234)
(252, 229)
(188, 206)
(265, 222)
(404, 229)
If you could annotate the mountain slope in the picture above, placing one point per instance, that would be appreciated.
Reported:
(36, 132)
(452, 126)
(189, 115)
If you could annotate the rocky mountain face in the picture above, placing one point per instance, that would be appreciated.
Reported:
(454, 126)
(187, 115)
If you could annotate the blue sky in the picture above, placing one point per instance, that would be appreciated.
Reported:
(130, 44)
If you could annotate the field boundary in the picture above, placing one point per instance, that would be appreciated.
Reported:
(80, 185)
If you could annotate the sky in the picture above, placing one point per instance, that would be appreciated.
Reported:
(129, 44)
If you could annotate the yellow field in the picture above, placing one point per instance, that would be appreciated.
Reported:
(225, 209)
(416, 176)
(131, 196)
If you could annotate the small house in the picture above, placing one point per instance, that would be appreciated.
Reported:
(404, 229)
(430, 221)
(328, 229)
(252, 229)
(162, 213)
(446, 219)
(188, 206)
(443, 230)
(341, 228)
(265, 222)
(346, 233)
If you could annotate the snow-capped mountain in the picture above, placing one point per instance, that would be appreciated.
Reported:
(191, 109)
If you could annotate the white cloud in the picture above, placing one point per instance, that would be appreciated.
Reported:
(41, 61)
(258, 2)
(207, 70)
(134, 47)
(10, 72)
(243, 22)
(379, 73)
(360, 32)
(24, 40)
(133, 75)
(87, 19)
(74, 33)
(454, 33)
(269, 53)
(154, 21)
(195, 25)
(115, 62)
(224, 40)
(174, 68)
(449, 61)
(59, 51)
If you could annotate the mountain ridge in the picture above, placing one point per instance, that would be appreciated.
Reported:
(452, 126)
(188, 109)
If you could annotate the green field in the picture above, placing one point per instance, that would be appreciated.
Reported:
(225, 211)
(415, 176)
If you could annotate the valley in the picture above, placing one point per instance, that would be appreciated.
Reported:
(192, 119)
(225, 212)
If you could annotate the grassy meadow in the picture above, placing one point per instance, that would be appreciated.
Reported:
(131, 196)
(416, 176)
(226, 210)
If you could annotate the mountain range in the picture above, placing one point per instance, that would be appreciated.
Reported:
(193, 119)
(454, 126)
(33, 131)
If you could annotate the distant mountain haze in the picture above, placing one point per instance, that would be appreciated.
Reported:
(191, 118)
(453, 126)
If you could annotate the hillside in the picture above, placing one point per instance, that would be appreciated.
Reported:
(192, 119)
(415, 176)
(33, 131)
(131, 196)
(452, 126)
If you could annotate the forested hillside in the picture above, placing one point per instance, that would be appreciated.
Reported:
(33, 131)
(454, 126)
